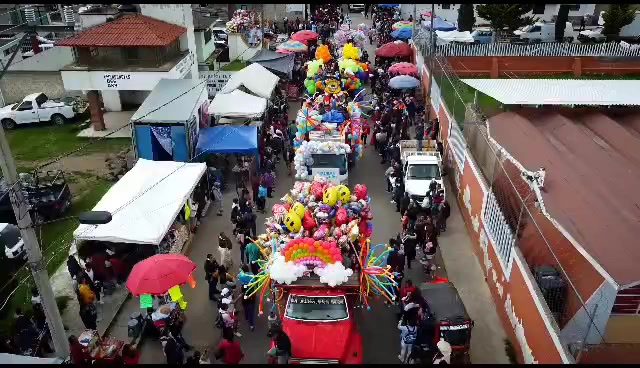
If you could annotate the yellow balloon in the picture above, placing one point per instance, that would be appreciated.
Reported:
(293, 222)
(298, 209)
(344, 194)
(330, 196)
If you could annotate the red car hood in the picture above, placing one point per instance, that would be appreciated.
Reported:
(319, 340)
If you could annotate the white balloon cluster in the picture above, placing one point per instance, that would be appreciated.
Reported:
(333, 274)
(284, 272)
(303, 157)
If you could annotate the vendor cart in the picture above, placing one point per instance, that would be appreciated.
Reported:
(452, 322)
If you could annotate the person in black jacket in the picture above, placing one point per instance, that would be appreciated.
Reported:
(73, 266)
(404, 203)
(445, 212)
(173, 351)
(210, 267)
(283, 346)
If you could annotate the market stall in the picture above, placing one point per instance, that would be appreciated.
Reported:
(238, 105)
(166, 127)
(255, 78)
(278, 63)
(232, 140)
(152, 204)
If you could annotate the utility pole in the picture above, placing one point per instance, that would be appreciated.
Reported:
(432, 42)
(36, 263)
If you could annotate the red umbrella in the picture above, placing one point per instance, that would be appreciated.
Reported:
(394, 49)
(404, 69)
(305, 36)
(157, 274)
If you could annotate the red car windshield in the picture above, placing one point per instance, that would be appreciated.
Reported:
(317, 308)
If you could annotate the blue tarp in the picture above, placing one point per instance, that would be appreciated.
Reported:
(402, 34)
(388, 6)
(228, 140)
(333, 116)
(439, 24)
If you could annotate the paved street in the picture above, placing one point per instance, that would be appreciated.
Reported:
(378, 326)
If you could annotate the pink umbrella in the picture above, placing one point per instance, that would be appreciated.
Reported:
(404, 69)
(305, 36)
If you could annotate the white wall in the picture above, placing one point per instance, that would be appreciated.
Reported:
(239, 48)
(204, 50)
(599, 306)
(124, 81)
(89, 20)
(111, 99)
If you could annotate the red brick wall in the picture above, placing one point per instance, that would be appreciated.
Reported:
(470, 66)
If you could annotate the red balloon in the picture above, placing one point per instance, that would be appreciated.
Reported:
(309, 223)
(360, 191)
(341, 216)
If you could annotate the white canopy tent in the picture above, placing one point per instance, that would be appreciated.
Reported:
(144, 203)
(255, 78)
(237, 104)
(445, 37)
(24, 359)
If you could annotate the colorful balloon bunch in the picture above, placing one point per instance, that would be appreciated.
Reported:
(312, 252)
(351, 52)
(376, 277)
(323, 53)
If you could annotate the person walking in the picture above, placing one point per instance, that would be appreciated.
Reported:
(404, 203)
(172, 350)
(249, 308)
(261, 201)
(224, 247)
(408, 333)
(283, 347)
(252, 256)
(409, 242)
(78, 354)
(229, 351)
(217, 196)
(210, 267)
(89, 316)
(445, 212)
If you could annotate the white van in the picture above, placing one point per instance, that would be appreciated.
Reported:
(544, 32)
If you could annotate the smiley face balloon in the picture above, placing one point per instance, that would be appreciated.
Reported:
(299, 209)
(344, 194)
(330, 196)
(292, 222)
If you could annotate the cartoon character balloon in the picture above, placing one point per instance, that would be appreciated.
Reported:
(299, 209)
(293, 222)
(344, 194)
(330, 196)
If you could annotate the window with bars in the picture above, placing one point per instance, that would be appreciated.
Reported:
(499, 230)
(627, 301)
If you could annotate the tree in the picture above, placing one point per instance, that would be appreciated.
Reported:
(466, 17)
(618, 16)
(561, 21)
(509, 16)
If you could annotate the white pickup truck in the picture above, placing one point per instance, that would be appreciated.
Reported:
(420, 167)
(35, 108)
(333, 166)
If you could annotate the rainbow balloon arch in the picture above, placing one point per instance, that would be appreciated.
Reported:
(313, 228)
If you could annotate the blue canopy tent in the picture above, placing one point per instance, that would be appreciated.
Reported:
(333, 116)
(402, 34)
(228, 139)
(388, 6)
(439, 24)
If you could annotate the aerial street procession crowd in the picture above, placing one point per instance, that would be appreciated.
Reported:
(315, 261)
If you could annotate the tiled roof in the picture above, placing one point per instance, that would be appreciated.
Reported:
(127, 31)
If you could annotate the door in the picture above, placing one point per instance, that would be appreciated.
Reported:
(25, 113)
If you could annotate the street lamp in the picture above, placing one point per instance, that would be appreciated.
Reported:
(95, 217)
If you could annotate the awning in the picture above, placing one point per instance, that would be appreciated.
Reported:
(255, 78)
(445, 37)
(237, 104)
(228, 140)
(439, 24)
(144, 203)
(274, 61)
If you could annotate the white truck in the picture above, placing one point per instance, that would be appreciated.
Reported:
(35, 108)
(630, 32)
(333, 166)
(544, 32)
(420, 167)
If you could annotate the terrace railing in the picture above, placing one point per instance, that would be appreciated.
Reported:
(611, 49)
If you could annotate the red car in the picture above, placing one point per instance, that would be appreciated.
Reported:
(320, 323)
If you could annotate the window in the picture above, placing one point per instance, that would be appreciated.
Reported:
(538, 8)
(207, 36)
(42, 98)
(574, 7)
(25, 106)
(499, 230)
(535, 29)
(445, 6)
(317, 308)
(326, 161)
(132, 53)
(424, 172)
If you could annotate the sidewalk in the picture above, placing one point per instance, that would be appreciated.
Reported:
(464, 271)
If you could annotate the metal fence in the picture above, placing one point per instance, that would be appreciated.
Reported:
(511, 216)
(611, 49)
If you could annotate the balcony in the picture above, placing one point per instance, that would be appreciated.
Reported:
(131, 61)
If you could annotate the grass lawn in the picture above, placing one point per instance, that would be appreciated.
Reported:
(37, 143)
(34, 145)
(234, 66)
